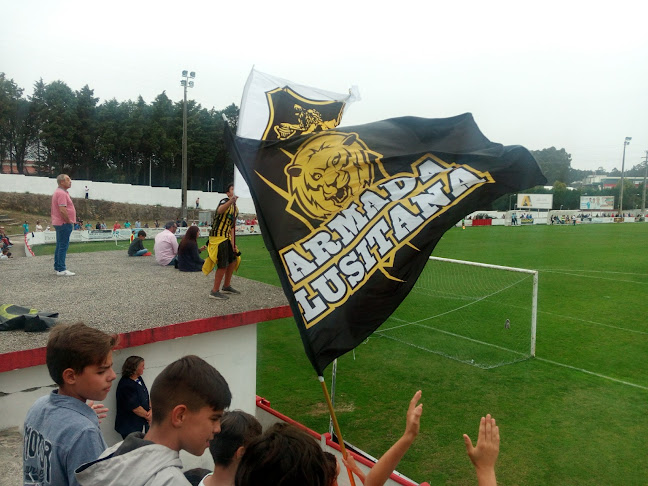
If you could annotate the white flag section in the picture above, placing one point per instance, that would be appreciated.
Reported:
(257, 113)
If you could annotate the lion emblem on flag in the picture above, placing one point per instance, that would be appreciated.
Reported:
(328, 171)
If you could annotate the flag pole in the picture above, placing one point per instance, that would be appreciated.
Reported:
(336, 426)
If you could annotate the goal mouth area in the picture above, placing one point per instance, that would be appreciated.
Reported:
(479, 314)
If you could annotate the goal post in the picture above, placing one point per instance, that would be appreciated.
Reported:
(481, 314)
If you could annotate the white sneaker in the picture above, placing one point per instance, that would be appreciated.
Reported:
(65, 273)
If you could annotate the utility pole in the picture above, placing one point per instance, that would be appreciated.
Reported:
(188, 84)
(626, 142)
(643, 199)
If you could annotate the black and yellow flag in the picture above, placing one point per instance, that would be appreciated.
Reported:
(352, 214)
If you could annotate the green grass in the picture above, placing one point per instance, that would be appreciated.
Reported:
(560, 425)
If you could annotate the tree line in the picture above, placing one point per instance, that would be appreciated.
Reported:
(70, 131)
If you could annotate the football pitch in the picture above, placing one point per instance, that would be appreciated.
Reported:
(576, 414)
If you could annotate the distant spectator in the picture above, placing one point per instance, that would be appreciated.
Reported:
(166, 245)
(127, 224)
(39, 227)
(146, 225)
(188, 252)
(138, 225)
(184, 222)
(116, 226)
(136, 247)
(25, 227)
(87, 192)
(197, 202)
(5, 238)
(63, 216)
(103, 225)
(98, 225)
(157, 223)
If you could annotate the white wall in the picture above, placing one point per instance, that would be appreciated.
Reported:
(124, 193)
(230, 351)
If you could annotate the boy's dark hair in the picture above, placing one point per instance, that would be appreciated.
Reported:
(141, 233)
(189, 381)
(237, 429)
(76, 346)
(130, 365)
(285, 456)
(229, 184)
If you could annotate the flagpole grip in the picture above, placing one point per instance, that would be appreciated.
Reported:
(336, 426)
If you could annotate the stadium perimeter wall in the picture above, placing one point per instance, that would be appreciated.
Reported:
(124, 193)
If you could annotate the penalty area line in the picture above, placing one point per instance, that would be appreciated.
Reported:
(583, 370)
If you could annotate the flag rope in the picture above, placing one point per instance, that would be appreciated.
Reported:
(336, 426)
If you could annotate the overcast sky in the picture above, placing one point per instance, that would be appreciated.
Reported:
(569, 74)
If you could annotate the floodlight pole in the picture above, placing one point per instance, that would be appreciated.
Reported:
(643, 199)
(626, 142)
(185, 83)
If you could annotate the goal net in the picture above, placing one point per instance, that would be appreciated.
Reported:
(480, 314)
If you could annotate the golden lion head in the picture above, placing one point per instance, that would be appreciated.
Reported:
(329, 170)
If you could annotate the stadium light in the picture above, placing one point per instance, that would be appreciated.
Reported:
(626, 142)
(185, 83)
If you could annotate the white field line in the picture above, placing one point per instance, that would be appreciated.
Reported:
(596, 323)
(582, 370)
(589, 271)
(592, 276)
(454, 335)
(556, 363)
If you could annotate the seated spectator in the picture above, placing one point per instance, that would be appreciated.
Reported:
(188, 252)
(98, 225)
(6, 243)
(136, 247)
(146, 225)
(6, 254)
(103, 225)
(166, 245)
(238, 429)
(88, 226)
(39, 227)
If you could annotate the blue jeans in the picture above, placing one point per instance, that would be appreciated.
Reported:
(63, 233)
(141, 252)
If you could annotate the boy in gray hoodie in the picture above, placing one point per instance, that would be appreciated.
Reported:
(187, 400)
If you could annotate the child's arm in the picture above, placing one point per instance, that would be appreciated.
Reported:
(380, 473)
(485, 454)
(351, 465)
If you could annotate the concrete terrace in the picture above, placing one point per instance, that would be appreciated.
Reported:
(120, 294)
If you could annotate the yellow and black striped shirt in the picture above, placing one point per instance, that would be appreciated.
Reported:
(223, 223)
